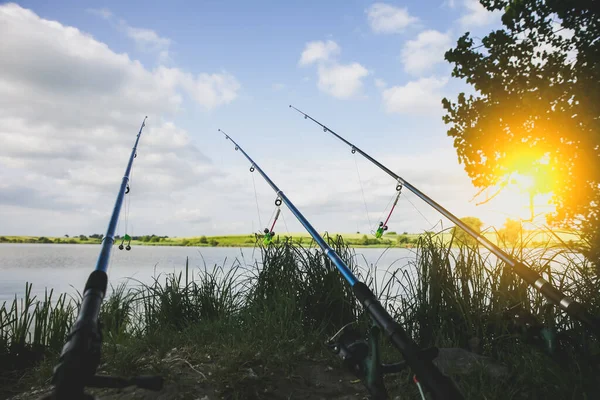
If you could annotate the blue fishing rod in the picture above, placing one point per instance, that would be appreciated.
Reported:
(573, 308)
(357, 355)
(80, 355)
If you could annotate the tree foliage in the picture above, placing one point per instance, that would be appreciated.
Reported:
(511, 231)
(462, 236)
(536, 105)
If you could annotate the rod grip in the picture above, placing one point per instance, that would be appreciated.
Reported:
(439, 385)
(80, 355)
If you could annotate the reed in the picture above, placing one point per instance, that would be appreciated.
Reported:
(449, 294)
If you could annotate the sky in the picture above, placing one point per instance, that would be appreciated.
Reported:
(78, 77)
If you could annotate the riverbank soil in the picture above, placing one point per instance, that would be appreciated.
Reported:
(212, 379)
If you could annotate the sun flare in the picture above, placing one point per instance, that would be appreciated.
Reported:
(525, 193)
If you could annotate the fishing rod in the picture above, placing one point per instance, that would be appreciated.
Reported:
(80, 355)
(363, 358)
(573, 308)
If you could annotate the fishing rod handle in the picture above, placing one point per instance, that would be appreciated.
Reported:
(80, 355)
(439, 385)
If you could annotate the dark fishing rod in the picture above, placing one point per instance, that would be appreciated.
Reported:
(439, 385)
(80, 355)
(573, 308)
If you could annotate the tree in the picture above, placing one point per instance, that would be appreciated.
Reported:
(536, 106)
(403, 239)
(203, 239)
(511, 231)
(462, 236)
(364, 240)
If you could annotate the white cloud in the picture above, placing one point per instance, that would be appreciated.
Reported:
(380, 83)
(278, 86)
(477, 15)
(449, 3)
(319, 51)
(69, 111)
(100, 12)
(385, 18)
(146, 40)
(421, 54)
(341, 81)
(209, 90)
(422, 97)
(149, 41)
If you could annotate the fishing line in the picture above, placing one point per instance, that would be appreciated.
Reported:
(256, 198)
(285, 223)
(128, 202)
(363, 193)
(415, 207)
(272, 216)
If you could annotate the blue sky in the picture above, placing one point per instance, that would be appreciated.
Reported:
(75, 91)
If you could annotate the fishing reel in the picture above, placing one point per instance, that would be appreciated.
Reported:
(362, 357)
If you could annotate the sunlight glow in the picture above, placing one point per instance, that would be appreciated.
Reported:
(525, 193)
(525, 182)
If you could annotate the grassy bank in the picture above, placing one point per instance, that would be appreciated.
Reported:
(258, 331)
(541, 238)
(354, 240)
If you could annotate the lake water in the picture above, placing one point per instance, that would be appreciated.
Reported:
(65, 267)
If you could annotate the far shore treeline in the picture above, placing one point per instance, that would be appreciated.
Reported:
(506, 236)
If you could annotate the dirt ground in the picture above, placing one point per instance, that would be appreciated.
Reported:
(309, 380)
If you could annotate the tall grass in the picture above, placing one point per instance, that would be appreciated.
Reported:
(450, 295)
(455, 294)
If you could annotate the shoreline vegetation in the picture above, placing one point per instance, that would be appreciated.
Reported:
(535, 239)
(258, 331)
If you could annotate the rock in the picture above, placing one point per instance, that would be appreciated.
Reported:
(461, 361)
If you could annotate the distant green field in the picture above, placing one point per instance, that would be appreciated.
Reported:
(353, 239)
